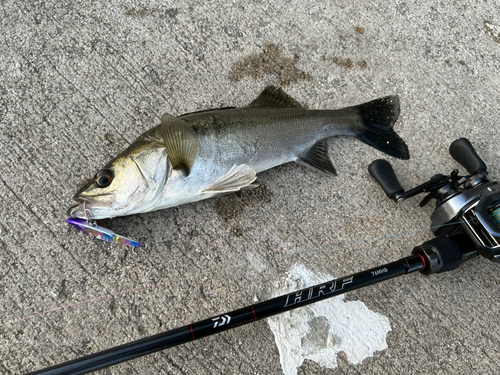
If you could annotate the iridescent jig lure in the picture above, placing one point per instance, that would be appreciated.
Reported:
(102, 233)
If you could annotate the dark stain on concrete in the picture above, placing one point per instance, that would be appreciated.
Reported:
(137, 12)
(62, 292)
(228, 207)
(269, 61)
(170, 12)
(144, 12)
(110, 137)
(345, 62)
(153, 76)
(237, 231)
(231, 206)
(362, 64)
(260, 194)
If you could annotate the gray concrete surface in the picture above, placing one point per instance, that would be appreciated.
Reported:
(80, 80)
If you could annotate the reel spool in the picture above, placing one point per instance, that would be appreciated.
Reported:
(495, 215)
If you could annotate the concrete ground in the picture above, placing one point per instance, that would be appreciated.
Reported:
(79, 81)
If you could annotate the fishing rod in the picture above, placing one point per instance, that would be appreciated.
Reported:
(466, 223)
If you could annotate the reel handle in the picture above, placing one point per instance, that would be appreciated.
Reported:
(381, 170)
(462, 151)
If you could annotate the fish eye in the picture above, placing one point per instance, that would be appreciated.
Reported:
(104, 178)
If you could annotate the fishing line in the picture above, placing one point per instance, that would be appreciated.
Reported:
(29, 317)
(363, 241)
(267, 258)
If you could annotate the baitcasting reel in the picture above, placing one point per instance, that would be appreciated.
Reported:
(467, 207)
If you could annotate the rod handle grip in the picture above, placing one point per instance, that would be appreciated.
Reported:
(462, 151)
(381, 170)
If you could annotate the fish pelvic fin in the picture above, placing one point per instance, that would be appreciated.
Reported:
(238, 177)
(317, 158)
(378, 117)
(275, 97)
(180, 141)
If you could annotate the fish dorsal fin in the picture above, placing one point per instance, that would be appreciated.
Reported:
(275, 97)
(238, 177)
(181, 142)
(317, 158)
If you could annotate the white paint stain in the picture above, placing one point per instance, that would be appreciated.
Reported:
(321, 330)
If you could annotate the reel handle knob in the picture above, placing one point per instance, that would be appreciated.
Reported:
(381, 170)
(462, 151)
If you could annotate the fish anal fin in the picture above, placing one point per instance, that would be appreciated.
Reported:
(238, 177)
(317, 158)
(275, 97)
(180, 141)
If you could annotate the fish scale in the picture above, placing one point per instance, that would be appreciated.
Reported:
(277, 135)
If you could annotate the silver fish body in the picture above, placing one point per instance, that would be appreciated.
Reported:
(203, 154)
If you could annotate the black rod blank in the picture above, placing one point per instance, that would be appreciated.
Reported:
(236, 318)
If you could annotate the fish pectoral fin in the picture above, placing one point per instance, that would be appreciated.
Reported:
(180, 141)
(275, 97)
(317, 158)
(238, 177)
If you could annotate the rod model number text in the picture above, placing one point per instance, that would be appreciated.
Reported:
(378, 272)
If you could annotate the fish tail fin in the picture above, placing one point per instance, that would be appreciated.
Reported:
(378, 118)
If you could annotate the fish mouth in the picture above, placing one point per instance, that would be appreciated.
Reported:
(91, 207)
(83, 209)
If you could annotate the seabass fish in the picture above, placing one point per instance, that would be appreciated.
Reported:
(203, 154)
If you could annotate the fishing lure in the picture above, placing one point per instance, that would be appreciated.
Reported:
(102, 233)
